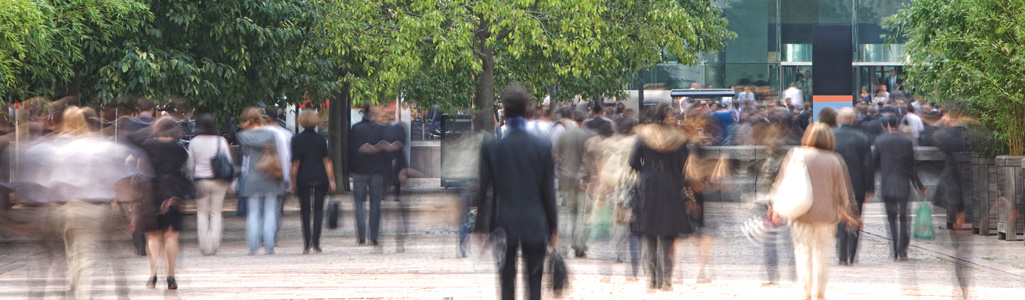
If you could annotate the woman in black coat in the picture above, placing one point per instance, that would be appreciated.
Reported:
(660, 213)
(312, 177)
(170, 189)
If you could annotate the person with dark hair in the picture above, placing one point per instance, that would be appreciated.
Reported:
(895, 156)
(520, 170)
(569, 156)
(914, 122)
(312, 177)
(210, 191)
(167, 156)
(828, 116)
(660, 210)
(370, 163)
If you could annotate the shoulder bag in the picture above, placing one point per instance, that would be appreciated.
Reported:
(222, 167)
(793, 196)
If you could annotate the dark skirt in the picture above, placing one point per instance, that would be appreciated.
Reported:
(173, 219)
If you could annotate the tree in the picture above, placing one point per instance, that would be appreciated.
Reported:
(970, 50)
(59, 42)
(589, 47)
(219, 55)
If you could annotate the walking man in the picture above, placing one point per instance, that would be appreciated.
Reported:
(853, 145)
(369, 163)
(520, 170)
(895, 156)
(569, 155)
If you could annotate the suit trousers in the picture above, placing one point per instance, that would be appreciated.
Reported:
(209, 206)
(659, 252)
(362, 186)
(897, 212)
(311, 198)
(534, 254)
(580, 214)
(812, 249)
(847, 239)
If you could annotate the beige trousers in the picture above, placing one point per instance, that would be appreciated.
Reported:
(209, 206)
(814, 245)
(83, 234)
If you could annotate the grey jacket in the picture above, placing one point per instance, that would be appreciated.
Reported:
(254, 182)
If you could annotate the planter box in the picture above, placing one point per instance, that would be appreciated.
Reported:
(984, 195)
(1009, 178)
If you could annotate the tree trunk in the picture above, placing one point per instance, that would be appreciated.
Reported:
(338, 136)
(485, 98)
(71, 88)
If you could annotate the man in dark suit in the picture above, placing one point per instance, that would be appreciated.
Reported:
(520, 170)
(895, 156)
(856, 149)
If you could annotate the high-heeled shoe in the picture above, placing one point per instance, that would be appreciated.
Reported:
(171, 283)
(152, 283)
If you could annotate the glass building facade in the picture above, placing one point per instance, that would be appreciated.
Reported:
(774, 45)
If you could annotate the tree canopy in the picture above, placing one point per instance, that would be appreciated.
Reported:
(971, 51)
(220, 56)
(588, 47)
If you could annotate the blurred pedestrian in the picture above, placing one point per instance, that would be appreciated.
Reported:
(313, 177)
(210, 191)
(622, 179)
(853, 145)
(520, 169)
(814, 232)
(660, 213)
(569, 155)
(895, 156)
(168, 157)
(370, 164)
(262, 181)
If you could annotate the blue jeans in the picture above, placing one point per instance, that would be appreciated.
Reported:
(362, 185)
(262, 221)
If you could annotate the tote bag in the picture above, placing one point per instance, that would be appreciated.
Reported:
(793, 195)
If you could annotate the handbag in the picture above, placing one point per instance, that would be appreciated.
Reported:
(333, 213)
(923, 221)
(793, 196)
(223, 169)
(560, 274)
(270, 164)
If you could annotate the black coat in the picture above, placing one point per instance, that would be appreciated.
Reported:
(520, 170)
(895, 156)
(856, 149)
(660, 207)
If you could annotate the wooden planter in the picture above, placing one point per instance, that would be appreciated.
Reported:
(1009, 178)
(984, 194)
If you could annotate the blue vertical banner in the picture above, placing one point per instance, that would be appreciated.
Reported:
(832, 67)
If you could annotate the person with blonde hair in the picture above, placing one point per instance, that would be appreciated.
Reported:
(261, 182)
(814, 232)
(312, 177)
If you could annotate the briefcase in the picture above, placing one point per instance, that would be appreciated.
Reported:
(333, 213)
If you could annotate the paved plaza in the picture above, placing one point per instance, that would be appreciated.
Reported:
(430, 268)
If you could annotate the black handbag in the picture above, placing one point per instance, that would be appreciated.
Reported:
(223, 168)
(560, 274)
(333, 213)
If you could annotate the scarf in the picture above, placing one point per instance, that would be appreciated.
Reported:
(518, 123)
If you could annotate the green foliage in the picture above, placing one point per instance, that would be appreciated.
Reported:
(454, 53)
(219, 56)
(971, 50)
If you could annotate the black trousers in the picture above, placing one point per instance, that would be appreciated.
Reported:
(658, 259)
(897, 212)
(311, 231)
(846, 239)
(534, 254)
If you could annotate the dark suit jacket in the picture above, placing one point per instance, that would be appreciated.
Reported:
(895, 156)
(856, 149)
(521, 171)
